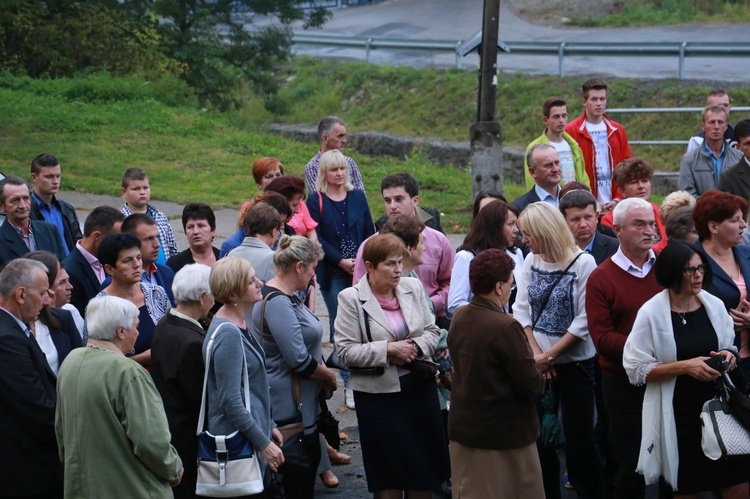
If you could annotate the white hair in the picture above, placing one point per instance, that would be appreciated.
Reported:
(620, 212)
(19, 273)
(104, 314)
(190, 282)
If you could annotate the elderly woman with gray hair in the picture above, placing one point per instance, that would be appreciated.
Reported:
(177, 364)
(121, 448)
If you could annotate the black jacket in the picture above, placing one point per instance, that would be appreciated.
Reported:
(71, 226)
(47, 238)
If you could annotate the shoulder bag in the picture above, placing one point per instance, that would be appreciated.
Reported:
(334, 361)
(294, 448)
(227, 464)
(723, 433)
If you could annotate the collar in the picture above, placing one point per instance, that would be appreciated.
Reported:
(107, 346)
(20, 323)
(710, 152)
(545, 196)
(627, 265)
(747, 161)
(41, 202)
(176, 313)
(590, 247)
(422, 215)
(89, 257)
(18, 229)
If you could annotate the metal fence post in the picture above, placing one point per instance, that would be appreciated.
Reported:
(458, 57)
(561, 57)
(682, 61)
(367, 49)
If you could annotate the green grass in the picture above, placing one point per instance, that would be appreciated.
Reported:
(441, 104)
(99, 126)
(654, 12)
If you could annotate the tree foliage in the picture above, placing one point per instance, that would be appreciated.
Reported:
(217, 46)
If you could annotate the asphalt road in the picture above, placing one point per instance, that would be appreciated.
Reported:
(459, 19)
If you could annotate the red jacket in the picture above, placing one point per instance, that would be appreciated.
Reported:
(618, 148)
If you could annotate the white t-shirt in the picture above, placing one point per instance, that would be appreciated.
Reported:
(566, 160)
(603, 170)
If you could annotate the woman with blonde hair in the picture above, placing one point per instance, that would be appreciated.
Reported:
(344, 222)
(550, 305)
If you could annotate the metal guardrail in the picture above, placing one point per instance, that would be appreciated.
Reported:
(660, 110)
(562, 49)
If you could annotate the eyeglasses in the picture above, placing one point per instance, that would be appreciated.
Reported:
(690, 271)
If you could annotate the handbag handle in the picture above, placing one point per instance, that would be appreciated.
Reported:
(246, 387)
(549, 293)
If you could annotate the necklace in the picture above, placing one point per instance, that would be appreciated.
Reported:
(682, 316)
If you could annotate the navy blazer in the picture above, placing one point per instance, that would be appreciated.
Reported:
(83, 278)
(360, 228)
(29, 457)
(722, 286)
(68, 337)
(46, 236)
(522, 202)
(164, 278)
(604, 247)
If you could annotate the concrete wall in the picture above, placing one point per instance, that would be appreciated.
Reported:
(441, 153)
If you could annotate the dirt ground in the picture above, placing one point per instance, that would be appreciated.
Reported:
(556, 13)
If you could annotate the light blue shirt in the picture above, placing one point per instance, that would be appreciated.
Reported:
(717, 162)
(546, 196)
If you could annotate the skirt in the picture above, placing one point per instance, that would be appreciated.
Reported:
(506, 473)
(404, 446)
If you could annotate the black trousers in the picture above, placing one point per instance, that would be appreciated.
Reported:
(624, 403)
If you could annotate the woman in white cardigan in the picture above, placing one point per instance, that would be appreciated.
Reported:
(673, 335)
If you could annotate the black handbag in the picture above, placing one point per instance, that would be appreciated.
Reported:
(328, 426)
(334, 361)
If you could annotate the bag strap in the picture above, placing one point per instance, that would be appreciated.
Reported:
(295, 381)
(245, 389)
(549, 293)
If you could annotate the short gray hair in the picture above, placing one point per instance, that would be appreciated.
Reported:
(293, 249)
(714, 108)
(190, 282)
(18, 273)
(104, 314)
(620, 213)
(530, 153)
(325, 126)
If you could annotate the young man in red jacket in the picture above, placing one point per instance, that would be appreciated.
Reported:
(603, 142)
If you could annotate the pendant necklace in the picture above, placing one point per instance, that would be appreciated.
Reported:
(682, 316)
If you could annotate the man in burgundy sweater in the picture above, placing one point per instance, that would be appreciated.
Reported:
(615, 292)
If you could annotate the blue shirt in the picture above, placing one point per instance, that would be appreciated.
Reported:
(718, 162)
(546, 196)
(52, 214)
(591, 244)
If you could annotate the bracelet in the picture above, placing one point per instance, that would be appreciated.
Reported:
(550, 358)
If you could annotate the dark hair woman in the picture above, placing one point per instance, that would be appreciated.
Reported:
(674, 333)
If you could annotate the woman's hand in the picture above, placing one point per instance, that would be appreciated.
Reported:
(277, 437)
(741, 315)
(401, 352)
(728, 356)
(544, 367)
(347, 264)
(698, 369)
(273, 455)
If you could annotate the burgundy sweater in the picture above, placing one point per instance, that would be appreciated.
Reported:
(613, 298)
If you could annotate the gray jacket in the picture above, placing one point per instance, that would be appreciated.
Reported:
(697, 169)
(226, 408)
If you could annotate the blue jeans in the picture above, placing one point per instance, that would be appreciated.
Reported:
(331, 299)
(575, 387)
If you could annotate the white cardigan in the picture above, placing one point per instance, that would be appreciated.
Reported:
(651, 342)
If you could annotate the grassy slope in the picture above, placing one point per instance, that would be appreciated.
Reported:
(99, 126)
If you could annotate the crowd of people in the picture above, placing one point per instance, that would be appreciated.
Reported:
(576, 319)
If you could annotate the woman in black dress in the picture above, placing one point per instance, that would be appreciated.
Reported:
(673, 335)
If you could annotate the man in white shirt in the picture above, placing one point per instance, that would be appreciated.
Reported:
(716, 97)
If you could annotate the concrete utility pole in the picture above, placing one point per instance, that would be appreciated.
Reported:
(486, 142)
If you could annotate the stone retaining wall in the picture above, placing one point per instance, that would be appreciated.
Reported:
(441, 153)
